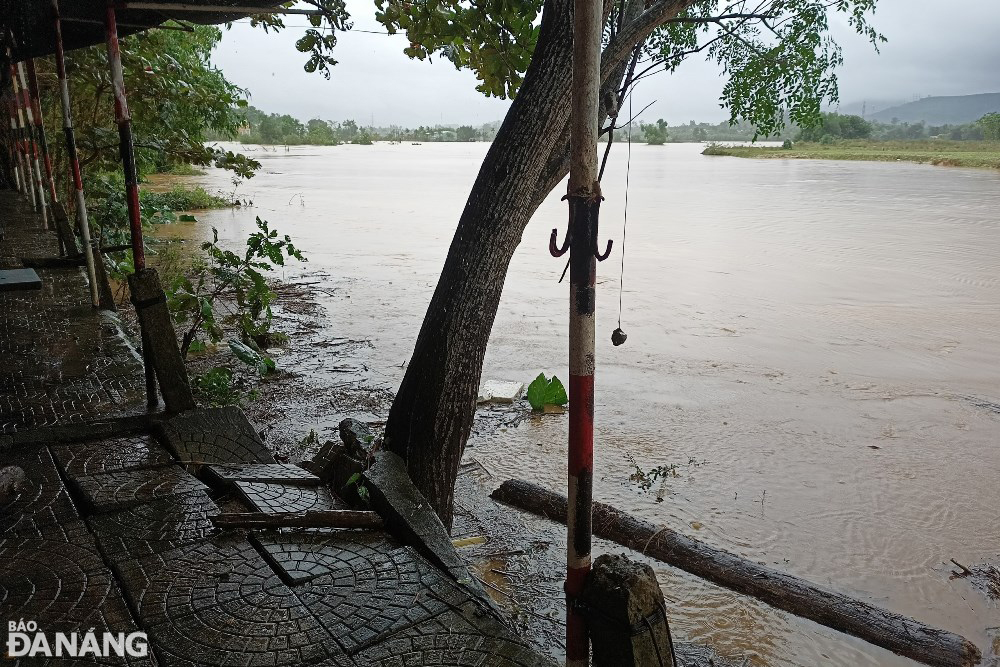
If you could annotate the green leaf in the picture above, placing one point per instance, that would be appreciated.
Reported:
(542, 392)
(263, 364)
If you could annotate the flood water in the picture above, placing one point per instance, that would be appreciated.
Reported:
(810, 342)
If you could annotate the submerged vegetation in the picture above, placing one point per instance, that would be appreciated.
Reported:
(980, 154)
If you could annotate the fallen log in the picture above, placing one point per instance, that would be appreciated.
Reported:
(897, 633)
(310, 519)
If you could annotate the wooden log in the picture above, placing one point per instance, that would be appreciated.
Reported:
(899, 634)
(310, 519)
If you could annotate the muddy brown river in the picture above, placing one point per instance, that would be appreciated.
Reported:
(812, 359)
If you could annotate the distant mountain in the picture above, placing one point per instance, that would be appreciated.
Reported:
(956, 109)
(865, 108)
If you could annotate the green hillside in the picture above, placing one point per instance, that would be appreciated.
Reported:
(953, 110)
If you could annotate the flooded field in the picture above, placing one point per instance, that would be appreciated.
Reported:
(811, 377)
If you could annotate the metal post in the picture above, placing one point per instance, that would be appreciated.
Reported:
(29, 176)
(36, 161)
(584, 195)
(74, 160)
(127, 150)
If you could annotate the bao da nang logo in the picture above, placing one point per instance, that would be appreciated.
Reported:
(25, 640)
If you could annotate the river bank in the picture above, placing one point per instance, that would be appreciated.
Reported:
(786, 319)
(975, 154)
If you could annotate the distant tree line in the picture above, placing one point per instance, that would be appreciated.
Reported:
(282, 129)
(835, 126)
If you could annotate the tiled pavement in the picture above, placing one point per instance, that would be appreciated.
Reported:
(115, 534)
(60, 360)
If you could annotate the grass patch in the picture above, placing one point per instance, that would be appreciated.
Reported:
(184, 198)
(977, 154)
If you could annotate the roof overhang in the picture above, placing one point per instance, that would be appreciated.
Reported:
(33, 27)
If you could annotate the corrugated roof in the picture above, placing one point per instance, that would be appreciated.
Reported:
(31, 21)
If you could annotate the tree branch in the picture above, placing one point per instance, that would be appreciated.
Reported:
(638, 29)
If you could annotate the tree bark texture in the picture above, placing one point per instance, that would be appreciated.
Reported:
(432, 414)
(899, 634)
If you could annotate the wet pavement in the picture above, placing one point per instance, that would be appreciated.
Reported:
(114, 534)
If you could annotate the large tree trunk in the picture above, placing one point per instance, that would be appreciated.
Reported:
(432, 414)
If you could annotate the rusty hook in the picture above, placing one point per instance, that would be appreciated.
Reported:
(554, 249)
(607, 253)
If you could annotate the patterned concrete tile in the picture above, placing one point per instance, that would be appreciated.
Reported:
(154, 527)
(59, 580)
(42, 500)
(417, 646)
(272, 498)
(88, 458)
(373, 594)
(302, 555)
(218, 435)
(280, 473)
(216, 602)
(111, 491)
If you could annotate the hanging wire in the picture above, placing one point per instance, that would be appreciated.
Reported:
(618, 336)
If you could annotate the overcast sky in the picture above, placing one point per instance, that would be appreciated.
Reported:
(931, 51)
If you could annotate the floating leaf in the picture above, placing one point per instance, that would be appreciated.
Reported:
(542, 392)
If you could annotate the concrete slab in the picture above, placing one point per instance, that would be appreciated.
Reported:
(40, 499)
(410, 518)
(217, 435)
(216, 602)
(302, 555)
(456, 648)
(271, 498)
(16, 280)
(87, 458)
(500, 391)
(281, 473)
(111, 491)
(374, 596)
(151, 528)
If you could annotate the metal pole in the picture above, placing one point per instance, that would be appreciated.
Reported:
(23, 134)
(127, 150)
(39, 180)
(584, 195)
(74, 160)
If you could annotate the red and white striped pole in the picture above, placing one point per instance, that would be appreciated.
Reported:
(83, 223)
(584, 195)
(36, 110)
(127, 150)
(31, 128)
(126, 147)
(22, 132)
(15, 152)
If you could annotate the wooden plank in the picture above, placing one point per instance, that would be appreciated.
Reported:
(310, 519)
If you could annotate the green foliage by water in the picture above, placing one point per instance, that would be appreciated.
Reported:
(655, 134)
(184, 198)
(236, 285)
